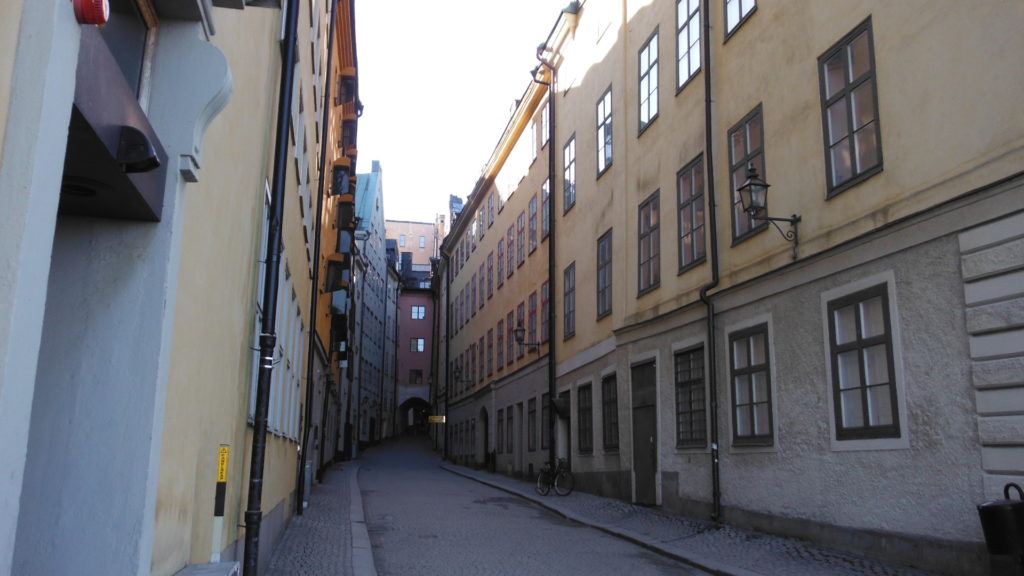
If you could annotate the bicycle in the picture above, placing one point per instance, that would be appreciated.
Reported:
(561, 478)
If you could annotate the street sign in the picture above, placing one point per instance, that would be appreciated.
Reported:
(435, 419)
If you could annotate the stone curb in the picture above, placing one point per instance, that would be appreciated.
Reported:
(362, 549)
(702, 562)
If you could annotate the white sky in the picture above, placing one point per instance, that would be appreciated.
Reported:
(438, 81)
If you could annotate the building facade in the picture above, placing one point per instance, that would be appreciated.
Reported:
(115, 446)
(825, 374)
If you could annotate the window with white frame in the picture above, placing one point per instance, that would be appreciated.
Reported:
(417, 344)
(419, 312)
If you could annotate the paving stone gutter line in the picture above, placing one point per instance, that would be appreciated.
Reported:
(362, 549)
(697, 560)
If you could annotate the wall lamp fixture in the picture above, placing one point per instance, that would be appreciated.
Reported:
(754, 197)
(520, 335)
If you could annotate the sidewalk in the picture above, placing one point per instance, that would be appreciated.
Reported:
(716, 548)
(330, 537)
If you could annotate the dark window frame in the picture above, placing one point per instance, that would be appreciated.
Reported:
(693, 21)
(729, 31)
(860, 344)
(585, 419)
(738, 171)
(610, 412)
(846, 93)
(691, 420)
(652, 95)
(604, 133)
(649, 232)
(697, 200)
(604, 274)
(569, 174)
(752, 439)
(569, 301)
(531, 422)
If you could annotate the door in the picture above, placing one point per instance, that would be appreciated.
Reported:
(645, 434)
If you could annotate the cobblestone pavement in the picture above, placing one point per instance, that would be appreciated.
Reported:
(714, 547)
(424, 521)
(319, 543)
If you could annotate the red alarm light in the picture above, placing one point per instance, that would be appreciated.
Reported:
(92, 11)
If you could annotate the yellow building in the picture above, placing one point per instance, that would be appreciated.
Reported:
(841, 364)
(132, 283)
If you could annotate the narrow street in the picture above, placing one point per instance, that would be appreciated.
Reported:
(424, 520)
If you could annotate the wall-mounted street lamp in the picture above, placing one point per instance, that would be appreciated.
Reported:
(754, 197)
(520, 335)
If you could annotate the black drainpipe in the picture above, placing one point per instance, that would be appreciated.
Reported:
(716, 490)
(552, 263)
(314, 292)
(268, 337)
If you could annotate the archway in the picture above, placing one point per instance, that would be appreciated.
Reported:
(412, 417)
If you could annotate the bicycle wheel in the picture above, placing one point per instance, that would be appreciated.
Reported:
(543, 483)
(564, 483)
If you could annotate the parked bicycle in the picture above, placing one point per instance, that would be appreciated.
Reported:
(561, 478)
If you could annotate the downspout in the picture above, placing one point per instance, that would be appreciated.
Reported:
(314, 291)
(716, 490)
(447, 347)
(271, 279)
(552, 264)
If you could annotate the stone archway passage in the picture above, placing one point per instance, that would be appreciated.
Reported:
(412, 417)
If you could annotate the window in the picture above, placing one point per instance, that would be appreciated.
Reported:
(610, 412)
(509, 338)
(501, 344)
(863, 376)
(691, 414)
(545, 419)
(751, 387)
(687, 41)
(604, 275)
(472, 366)
(510, 245)
(649, 245)
(648, 83)
(501, 263)
(490, 274)
(531, 424)
(521, 244)
(423, 241)
(533, 223)
(501, 430)
(737, 12)
(545, 301)
(544, 122)
(472, 289)
(520, 321)
(531, 322)
(480, 353)
(127, 38)
(401, 240)
(416, 377)
(419, 312)
(849, 110)
(569, 174)
(545, 210)
(604, 132)
(690, 186)
(490, 352)
(417, 344)
(745, 149)
(483, 281)
(570, 301)
(490, 210)
(585, 419)
(510, 429)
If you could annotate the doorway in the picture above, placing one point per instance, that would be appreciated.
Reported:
(645, 433)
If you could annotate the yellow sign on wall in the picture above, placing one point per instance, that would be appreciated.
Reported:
(222, 463)
(435, 419)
